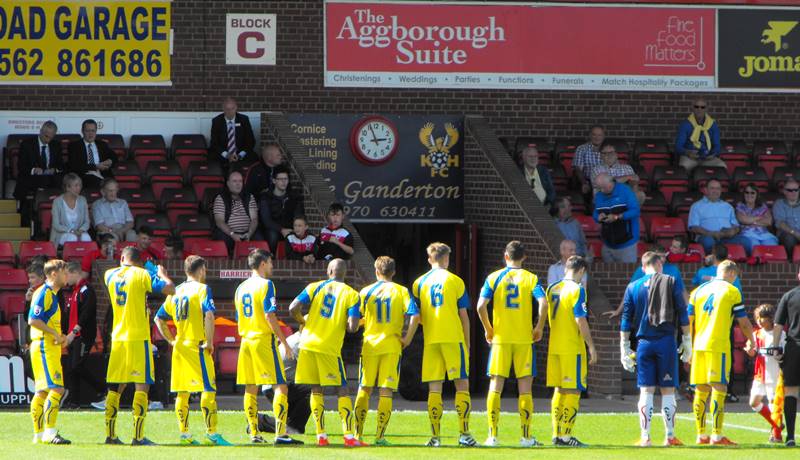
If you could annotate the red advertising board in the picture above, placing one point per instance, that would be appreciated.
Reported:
(519, 46)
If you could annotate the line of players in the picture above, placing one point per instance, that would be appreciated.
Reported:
(438, 301)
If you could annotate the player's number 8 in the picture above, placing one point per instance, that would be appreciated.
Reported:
(437, 298)
(512, 294)
(122, 296)
(328, 303)
(247, 305)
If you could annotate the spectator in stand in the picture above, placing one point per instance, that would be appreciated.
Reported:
(622, 173)
(537, 176)
(698, 143)
(335, 242)
(105, 251)
(570, 227)
(235, 213)
(679, 252)
(277, 208)
(714, 220)
(90, 158)
(144, 241)
(705, 274)
(260, 176)
(755, 219)
(173, 249)
(787, 216)
(617, 211)
(70, 213)
(301, 245)
(587, 156)
(111, 214)
(555, 272)
(79, 324)
(232, 139)
(40, 166)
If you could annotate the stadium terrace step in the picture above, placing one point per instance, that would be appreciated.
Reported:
(8, 206)
(9, 220)
(15, 233)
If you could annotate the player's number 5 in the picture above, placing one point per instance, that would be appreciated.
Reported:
(122, 296)
(247, 305)
(328, 302)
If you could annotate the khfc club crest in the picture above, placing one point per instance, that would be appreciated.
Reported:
(438, 158)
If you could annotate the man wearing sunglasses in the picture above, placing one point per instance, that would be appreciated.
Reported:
(698, 143)
(786, 213)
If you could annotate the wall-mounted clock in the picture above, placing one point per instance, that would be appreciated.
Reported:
(374, 140)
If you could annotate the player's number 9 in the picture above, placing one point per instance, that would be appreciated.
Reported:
(247, 305)
(328, 303)
(512, 294)
(437, 298)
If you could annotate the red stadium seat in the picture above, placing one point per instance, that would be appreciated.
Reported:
(8, 258)
(115, 143)
(590, 228)
(750, 175)
(771, 155)
(623, 149)
(148, 147)
(701, 175)
(12, 151)
(796, 255)
(280, 251)
(75, 250)
(559, 178)
(641, 248)
(158, 222)
(140, 201)
(163, 174)
(7, 340)
(204, 175)
(241, 249)
(187, 148)
(782, 174)
(196, 226)
(565, 153)
(29, 249)
(208, 248)
(13, 279)
(91, 195)
(654, 205)
(178, 202)
(128, 174)
(669, 180)
(666, 227)
(736, 252)
(227, 359)
(11, 304)
(651, 153)
(770, 254)
(226, 334)
(735, 154)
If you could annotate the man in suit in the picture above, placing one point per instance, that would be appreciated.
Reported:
(90, 158)
(40, 166)
(538, 176)
(232, 140)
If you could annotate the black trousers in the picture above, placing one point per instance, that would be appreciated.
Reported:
(78, 372)
(299, 409)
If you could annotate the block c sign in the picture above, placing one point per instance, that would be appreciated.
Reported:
(250, 39)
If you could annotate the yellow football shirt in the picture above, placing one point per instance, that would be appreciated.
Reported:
(188, 308)
(714, 305)
(44, 306)
(331, 303)
(512, 292)
(254, 298)
(566, 301)
(128, 287)
(439, 295)
(384, 306)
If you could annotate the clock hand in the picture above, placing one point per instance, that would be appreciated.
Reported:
(373, 135)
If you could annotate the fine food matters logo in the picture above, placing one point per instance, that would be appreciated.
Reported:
(775, 36)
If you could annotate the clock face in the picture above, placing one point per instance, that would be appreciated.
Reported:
(374, 140)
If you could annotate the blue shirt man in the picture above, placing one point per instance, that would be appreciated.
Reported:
(617, 211)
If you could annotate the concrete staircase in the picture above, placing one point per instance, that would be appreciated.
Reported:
(10, 229)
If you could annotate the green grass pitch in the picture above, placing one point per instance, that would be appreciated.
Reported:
(610, 437)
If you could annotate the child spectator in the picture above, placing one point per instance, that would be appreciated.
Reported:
(335, 242)
(173, 249)
(679, 252)
(300, 245)
(106, 251)
(143, 242)
(766, 368)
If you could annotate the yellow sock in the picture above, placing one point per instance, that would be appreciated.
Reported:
(493, 411)
(51, 407)
(280, 409)
(699, 408)
(717, 412)
(37, 413)
(526, 414)
(435, 408)
(463, 406)
(182, 410)
(384, 414)
(346, 414)
(251, 412)
(208, 405)
(362, 407)
(112, 409)
(571, 402)
(318, 411)
(139, 414)
(556, 411)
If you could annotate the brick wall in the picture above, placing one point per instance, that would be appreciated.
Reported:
(201, 79)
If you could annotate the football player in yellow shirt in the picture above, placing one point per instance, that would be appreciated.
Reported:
(333, 308)
(260, 361)
(384, 306)
(443, 302)
(131, 359)
(513, 292)
(192, 310)
(566, 351)
(46, 341)
(712, 308)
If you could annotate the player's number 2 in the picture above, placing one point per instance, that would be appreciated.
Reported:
(512, 296)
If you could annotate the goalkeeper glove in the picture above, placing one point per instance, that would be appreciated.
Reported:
(627, 357)
(685, 349)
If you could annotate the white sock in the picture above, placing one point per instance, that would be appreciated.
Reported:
(668, 409)
(645, 413)
(49, 433)
(758, 407)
